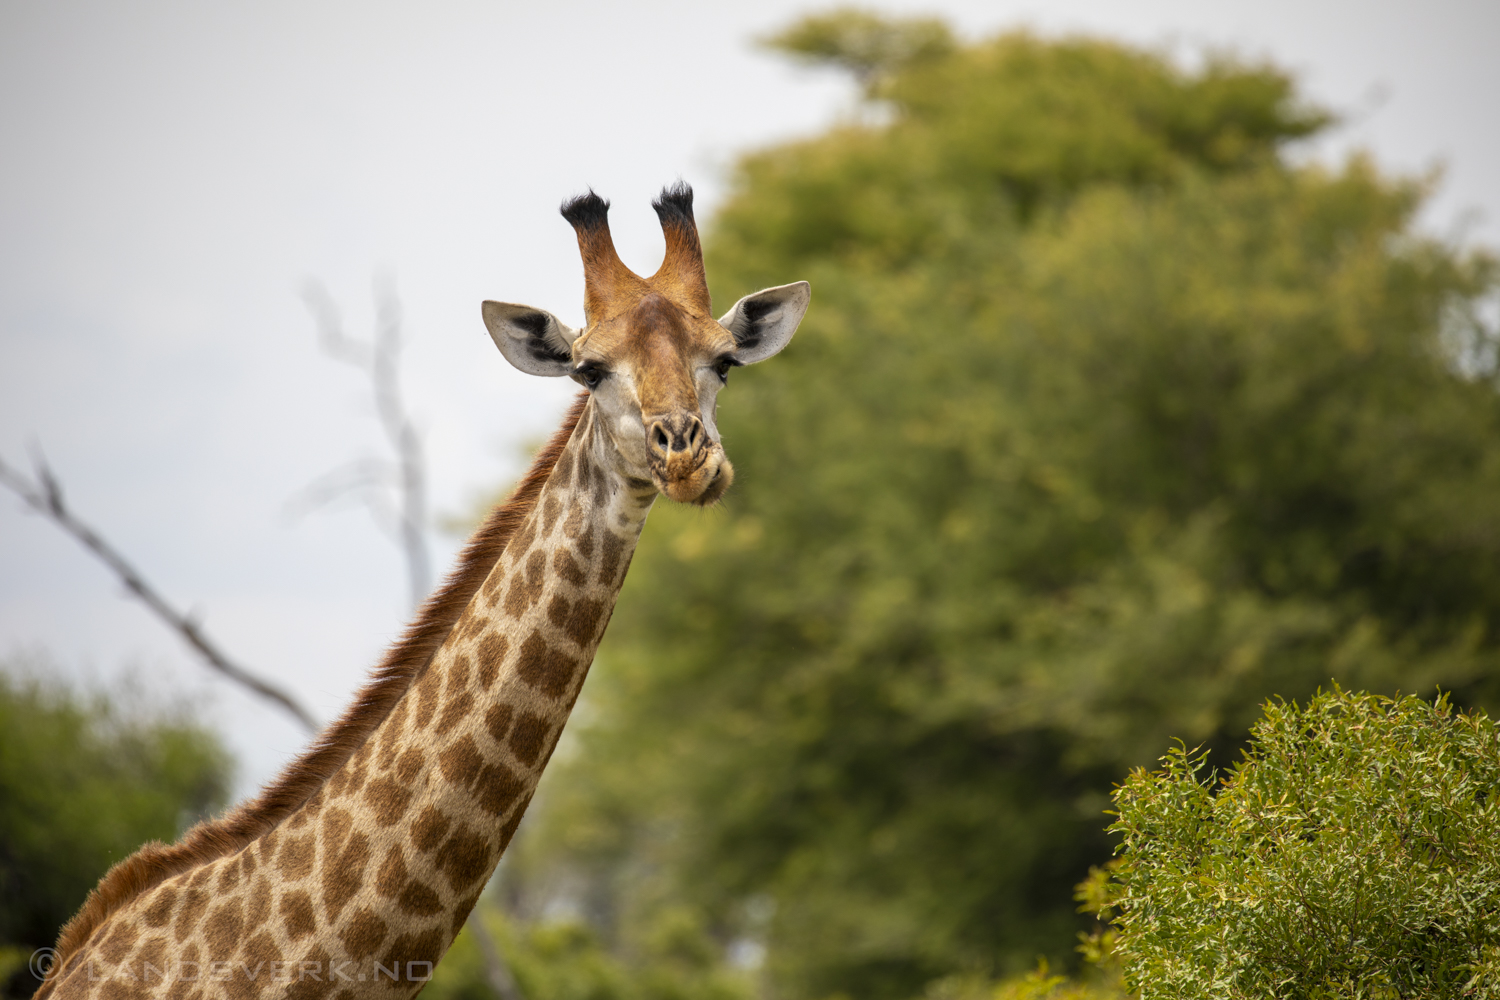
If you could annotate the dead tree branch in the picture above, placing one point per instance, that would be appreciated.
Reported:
(380, 360)
(45, 496)
(497, 972)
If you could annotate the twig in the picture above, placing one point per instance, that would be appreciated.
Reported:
(45, 496)
(496, 970)
(380, 360)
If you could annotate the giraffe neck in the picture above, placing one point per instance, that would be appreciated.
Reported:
(363, 888)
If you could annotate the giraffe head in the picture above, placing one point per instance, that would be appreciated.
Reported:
(650, 353)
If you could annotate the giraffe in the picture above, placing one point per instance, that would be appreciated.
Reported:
(351, 874)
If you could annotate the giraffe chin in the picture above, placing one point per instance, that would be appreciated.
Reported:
(703, 486)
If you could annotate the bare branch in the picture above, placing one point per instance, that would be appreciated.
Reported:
(496, 970)
(380, 360)
(45, 496)
(359, 476)
(330, 326)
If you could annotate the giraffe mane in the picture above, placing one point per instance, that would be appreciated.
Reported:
(403, 664)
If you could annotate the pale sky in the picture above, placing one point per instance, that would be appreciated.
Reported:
(172, 172)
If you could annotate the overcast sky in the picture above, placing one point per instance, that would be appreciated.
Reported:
(172, 173)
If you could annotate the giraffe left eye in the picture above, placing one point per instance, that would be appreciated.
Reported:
(723, 368)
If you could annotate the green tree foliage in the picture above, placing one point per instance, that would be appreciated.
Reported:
(871, 47)
(1108, 422)
(85, 780)
(1354, 852)
(565, 960)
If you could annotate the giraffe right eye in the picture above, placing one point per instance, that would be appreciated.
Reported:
(589, 375)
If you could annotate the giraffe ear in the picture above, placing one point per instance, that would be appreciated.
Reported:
(533, 340)
(763, 322)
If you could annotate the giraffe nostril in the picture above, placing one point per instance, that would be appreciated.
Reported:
(661, 439)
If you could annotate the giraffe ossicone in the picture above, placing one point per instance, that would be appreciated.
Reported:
(351, 874)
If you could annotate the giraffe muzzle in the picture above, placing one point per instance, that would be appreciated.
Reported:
(684, 463)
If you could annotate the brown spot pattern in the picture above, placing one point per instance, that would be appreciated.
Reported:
(491, 654)
(397, 720)
(496, 788)
(585, 543)
(427, 832)
(464, 858)
(544, 668)
(159, 911)
(536, 570)
(392, 877)
(297, 914)
(388, 799)
(461, 914)
(528, 737)
(455, 711)
(419, 900)
(409, 765)
(296, 858)
(356, 768)
(526, 588)
(427, 698)
(123, 989)
(119, 942)
(461, 762)
(259, 905)
(268, 845)
(390, 745)
(152, 953)
(363, 934)
(194, 902)
(578, 621)
(550, 509)
(567, 567)
(522, 541)
(318, 981)
(492, 585)
(345, 874)
(424, 947)
(509, 829)
(183, 986)
(259, 950)
(458, 675)
(222, 930)
(336, 823)
(497, 721)
(609, 557)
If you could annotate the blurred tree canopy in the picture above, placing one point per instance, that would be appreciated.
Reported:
(85, 779)
(1109, 420)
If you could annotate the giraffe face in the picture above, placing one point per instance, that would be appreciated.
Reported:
(651, 356)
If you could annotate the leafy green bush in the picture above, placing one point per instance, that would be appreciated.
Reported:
(1039, 984)
(85, 779)
(1353, 852)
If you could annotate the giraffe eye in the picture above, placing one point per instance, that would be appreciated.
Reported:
(589, 375)
(722, 368)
